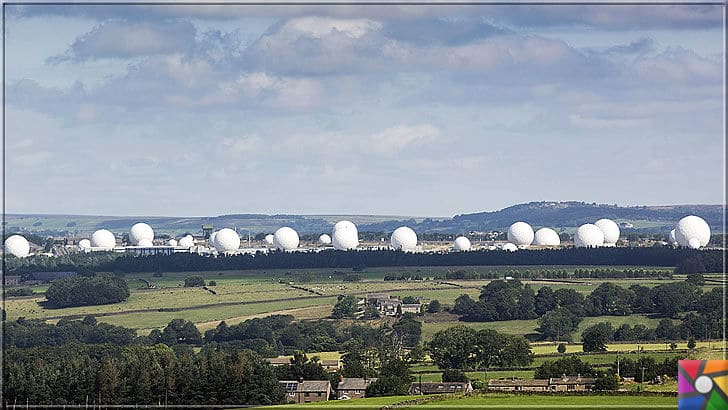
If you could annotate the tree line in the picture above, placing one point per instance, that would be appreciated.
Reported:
(560, 311)
(185, 262)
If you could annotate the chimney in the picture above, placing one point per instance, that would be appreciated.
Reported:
(300, 379)
(341, 378)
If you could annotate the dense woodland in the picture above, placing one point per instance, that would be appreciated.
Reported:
(711, 260)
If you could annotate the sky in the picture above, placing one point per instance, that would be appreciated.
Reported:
(377, 110)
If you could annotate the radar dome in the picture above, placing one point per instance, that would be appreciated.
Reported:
(588, 236)
(17, 246)
(140, 231)
(671, 238)
(461, 244)
(269, 239)
(325, 239)
(84, 244)
(520, 234)
(103, 239)
(226, 240)
(172, 242)
(211, 239)
(145, 243)
(285, 239)
(694, 243)
(610, 229)
(546, 237)
(510, 247)
(345, 236)
(186, 241)
(404, 239)
(692, 227)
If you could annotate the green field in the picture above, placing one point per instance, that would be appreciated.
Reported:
(505, 401)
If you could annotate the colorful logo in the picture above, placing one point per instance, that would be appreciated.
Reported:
(702, 385)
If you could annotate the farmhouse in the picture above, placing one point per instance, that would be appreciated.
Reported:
(518, 384)
(279, 361)
(352, 388)
(306, 391)
(440, 387)
(389, 306)
(330, 365)
(570, 383)
(12, 280)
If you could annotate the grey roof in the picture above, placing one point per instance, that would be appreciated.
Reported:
(329, 362)
(518, 382)
(306, 386)
(354, 383)
(571, 380)
(440, 387)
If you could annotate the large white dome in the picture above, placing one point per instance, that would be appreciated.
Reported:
(172, 242)
(520, 234)
(461, 244)
(269, 239)
(145, 243)
(546, 237)
(345, 236)
(140, 231)
(226, 240)
(404, 239)
(691, 227)
(610, 229)
(186, 242)
(17, 246)
(103, 239)
(510, 247)
(588, 236)
(671, 238)
(325, 239)
(211, 239)
(84, 244)
(285, 239)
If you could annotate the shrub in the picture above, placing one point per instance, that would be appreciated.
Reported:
(193, 281)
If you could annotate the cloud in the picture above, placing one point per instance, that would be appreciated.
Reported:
(641, 46)
(124, 39)
(395, 139)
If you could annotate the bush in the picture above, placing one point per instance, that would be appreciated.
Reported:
(212, 283)
(454, 376)
(193, 281)
(18, 292)
(85, 291)
(434, 306)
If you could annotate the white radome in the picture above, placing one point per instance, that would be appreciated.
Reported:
(186, 242)
(269, 239)
(588, 236)
(17, 246)
(211, 239)
(145, 243)
(103, 239)
(671, 238)
(461, 244)
(325, 239)
(546, 237)
(345, 236)
(84, 244)
(226, 240)
(691, 227)
(694, 243)
(140, 231)
(172, 242)
(510, 247)
(404, 239)
(610, 229)
(520, 234)
(285, 239)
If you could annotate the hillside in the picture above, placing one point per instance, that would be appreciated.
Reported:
(560, 215)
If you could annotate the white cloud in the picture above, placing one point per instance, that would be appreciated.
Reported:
(395, 139)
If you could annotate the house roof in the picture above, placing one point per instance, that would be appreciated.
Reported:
(518, 382)
(306, 386)
(354, 383)
(440, 387)
(279, 360)
(571, 380)
(329, 362)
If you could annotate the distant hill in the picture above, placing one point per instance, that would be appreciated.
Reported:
(560, 215)
(566, 216)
